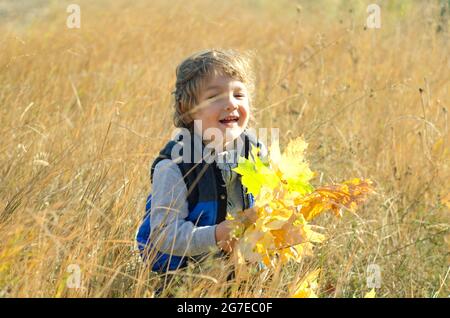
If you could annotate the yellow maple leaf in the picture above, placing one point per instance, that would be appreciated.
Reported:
(335, 197)
(370, 294)
(291, 166)
(308, 286)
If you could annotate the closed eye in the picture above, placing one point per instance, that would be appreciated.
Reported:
(238, 95)
(214, 96)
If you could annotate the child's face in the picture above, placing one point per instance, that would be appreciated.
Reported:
(223, 104)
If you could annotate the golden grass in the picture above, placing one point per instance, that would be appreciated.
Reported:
(83, 113)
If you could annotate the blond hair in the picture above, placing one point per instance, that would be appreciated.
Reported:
(193, 72)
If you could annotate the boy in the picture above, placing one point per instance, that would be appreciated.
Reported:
(186, 212)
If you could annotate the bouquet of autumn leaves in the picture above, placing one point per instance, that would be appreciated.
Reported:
(286, 202)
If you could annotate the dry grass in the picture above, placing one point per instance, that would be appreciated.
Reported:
(83, 113)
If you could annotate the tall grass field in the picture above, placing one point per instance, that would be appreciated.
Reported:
(85, 110)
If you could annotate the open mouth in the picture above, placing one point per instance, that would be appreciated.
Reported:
(229, 120)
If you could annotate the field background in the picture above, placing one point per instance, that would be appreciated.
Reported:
(84, 111)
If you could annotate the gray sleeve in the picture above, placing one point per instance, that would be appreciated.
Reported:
(171, 233)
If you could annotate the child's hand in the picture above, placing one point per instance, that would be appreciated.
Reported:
(223, 236)
(223, 229)
(249, 216)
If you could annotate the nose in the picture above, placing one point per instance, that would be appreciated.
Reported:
(232, 103)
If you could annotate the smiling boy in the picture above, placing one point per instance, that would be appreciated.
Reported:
(186, 212)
